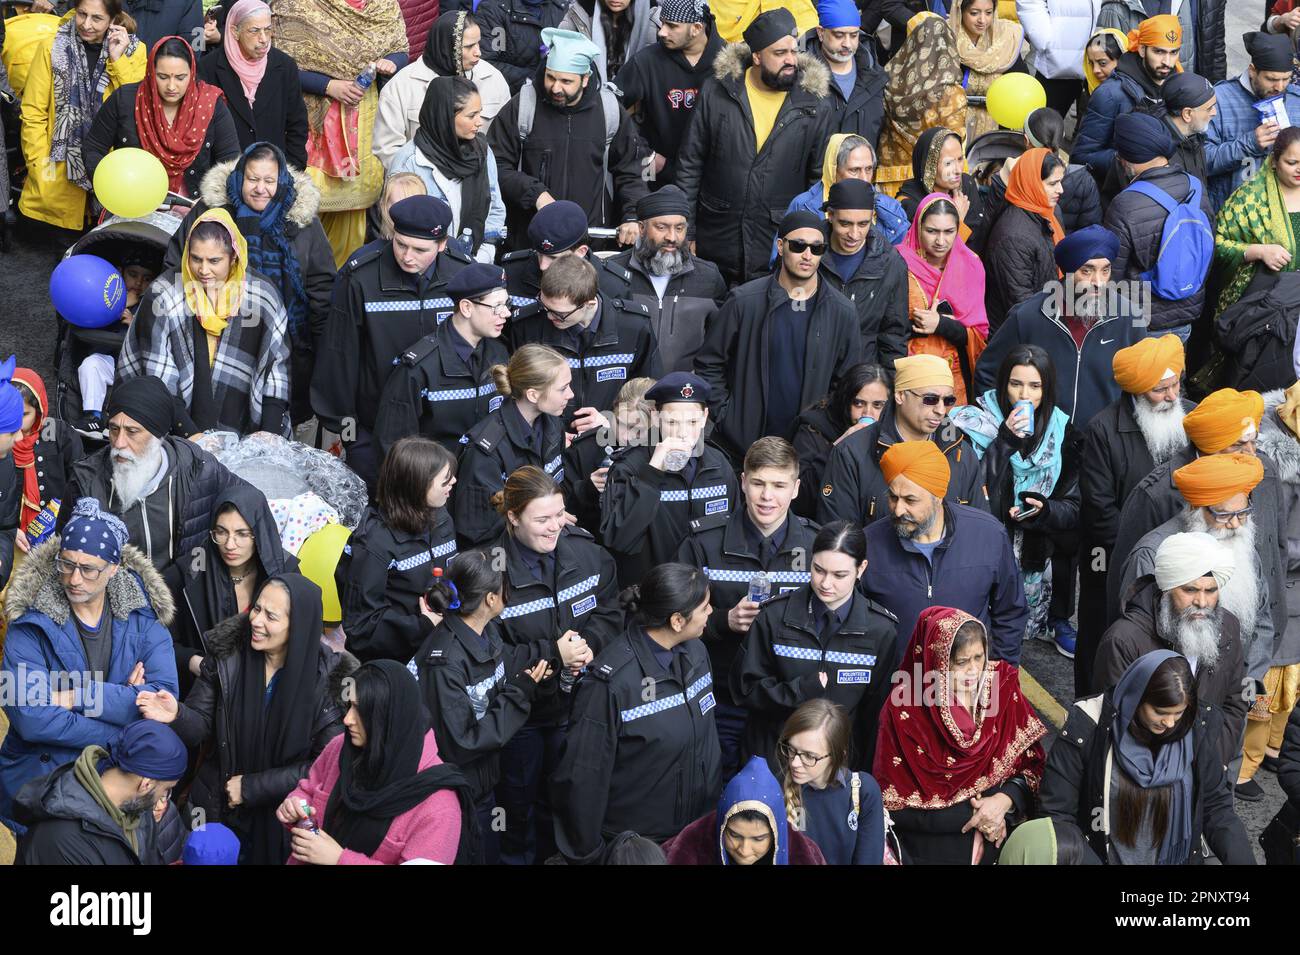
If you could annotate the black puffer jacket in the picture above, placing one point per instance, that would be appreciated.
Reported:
(679, 319)
(512, 34)
(864, 111)
(878, 291)
(814, 437)
(1019, 260)
(1078, 207)
(1211, 53)
(1139, 222)
(278, 115)
(114, 128)
(738, 196)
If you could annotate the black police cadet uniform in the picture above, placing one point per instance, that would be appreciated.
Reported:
(573, 588)
(642, 751)
(381, 576)
(498, 445)
(557, 228)
(645, 513)
(441, 386)
(583, 457)
(793, 639)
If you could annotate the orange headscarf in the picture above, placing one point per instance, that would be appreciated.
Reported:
(1025, 189)
(921, 462)
(1216, 477)
(1141, 367)
(1163, 30)
(1219, 421)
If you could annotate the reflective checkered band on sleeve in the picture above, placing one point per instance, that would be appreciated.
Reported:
(703, 683)
(649, 709)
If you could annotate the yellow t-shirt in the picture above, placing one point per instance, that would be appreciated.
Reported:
(764, 104)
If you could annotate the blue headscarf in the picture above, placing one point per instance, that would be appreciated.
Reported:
(93, 531)
(754, 787)
(269, 249)
(1170, 765)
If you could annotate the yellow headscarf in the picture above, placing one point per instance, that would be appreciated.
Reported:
(1088, 74)
(828, 162)
(215, 318)
(997, 50)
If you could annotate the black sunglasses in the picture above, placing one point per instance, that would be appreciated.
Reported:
(800, 246)
(932, 400)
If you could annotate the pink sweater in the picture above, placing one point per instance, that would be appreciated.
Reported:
(431, 830)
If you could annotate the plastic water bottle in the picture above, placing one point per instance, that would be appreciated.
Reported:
(42, 525)
(760, 587)
(309, 823)
(677, 460)
(367, 77)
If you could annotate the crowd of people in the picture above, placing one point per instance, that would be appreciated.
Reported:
(735, 400)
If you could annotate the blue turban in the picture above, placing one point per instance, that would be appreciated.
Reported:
(1141, 138)
(211, 844)
(96, 532)
(149, 749)
(11, 402)
(1091, 242)
(838, 14)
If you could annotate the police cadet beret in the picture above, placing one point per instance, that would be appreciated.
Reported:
(421, 217)
(679, 386)
(558, 227)
(476, 279)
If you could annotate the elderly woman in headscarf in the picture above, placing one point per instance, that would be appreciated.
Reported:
(218, 339)
(453, 49)
(451, 156)
(274, 207)
(938, 165)
(170, 114)
(958, 758)
(924, 91)
(987, 46)
(344, 50)
(1139, 770)
(260, 82)
(92, 53)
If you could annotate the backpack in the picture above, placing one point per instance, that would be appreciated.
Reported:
(609, 103)
(1256, 334)
(1186, 243)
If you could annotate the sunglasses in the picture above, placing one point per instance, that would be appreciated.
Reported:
(932, 400)
(800, 246)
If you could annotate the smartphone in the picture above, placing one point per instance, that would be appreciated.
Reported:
(1027, 510)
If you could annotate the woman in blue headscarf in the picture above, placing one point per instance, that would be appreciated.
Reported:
(275, 208)
(749, 827)
(1139, 770)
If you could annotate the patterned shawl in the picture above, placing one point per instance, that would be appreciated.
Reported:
(1254, 213)
(1039, 471)
(921, 73)
(996, 50)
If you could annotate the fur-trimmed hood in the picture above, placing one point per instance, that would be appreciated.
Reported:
(212, 190)
(136, 586)
(734, 58)
(227, 637)
(1277, 441)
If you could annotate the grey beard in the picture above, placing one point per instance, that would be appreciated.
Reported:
(130, 478)
(1161, 430)
(1089, 308)
(1240, 595)
(837, 57)
(907, 531)
(1190, 635)
(657, 261)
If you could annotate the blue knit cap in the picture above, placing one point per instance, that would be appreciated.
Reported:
(11, 402)
(93, 531)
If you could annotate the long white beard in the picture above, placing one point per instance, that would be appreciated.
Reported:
(132, 476)
(1162, 430)
(1241, 594)
(1192, 636)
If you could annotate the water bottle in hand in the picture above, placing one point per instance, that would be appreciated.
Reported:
(760, 587)
(367, 77)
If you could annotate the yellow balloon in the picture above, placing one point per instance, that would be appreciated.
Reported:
(317, 558)
(1012, 97)
(130, 183)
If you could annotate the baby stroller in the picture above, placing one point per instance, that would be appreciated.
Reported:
(116, 240)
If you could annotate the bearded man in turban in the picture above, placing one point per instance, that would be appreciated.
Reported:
(934, 552)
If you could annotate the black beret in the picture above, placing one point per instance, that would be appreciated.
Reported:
(476, 279)
(558, 227)
(421, 217)
(679, 386)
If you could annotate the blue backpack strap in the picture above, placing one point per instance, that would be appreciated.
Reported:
(1155, 192)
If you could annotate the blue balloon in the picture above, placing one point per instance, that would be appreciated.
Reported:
(88, 291)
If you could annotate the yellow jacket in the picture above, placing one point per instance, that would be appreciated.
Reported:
(734, 15)
(47, 194)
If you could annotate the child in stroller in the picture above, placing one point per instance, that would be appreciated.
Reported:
(138, 268)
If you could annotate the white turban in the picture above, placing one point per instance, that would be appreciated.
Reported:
(1183, 558)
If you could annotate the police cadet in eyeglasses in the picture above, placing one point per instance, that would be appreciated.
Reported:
(853, 487)
(779, 343)
(441, 386)
(653, 492)
(642, 750)
(607, 341)
(752, 552)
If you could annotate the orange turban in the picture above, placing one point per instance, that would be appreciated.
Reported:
(1216, 477)
(1219, 421)
(921, 462)
(1141, 367)
(1163, 31)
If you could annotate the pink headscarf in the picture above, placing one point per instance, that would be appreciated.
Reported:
(250, 72)
(962, 277)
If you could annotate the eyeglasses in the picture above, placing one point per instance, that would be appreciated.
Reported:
(790, 754)
(564, 316)
(501, 309)
(799, 245)
(221, 535)
(88, 573)
(932, 400)
(1227, 517)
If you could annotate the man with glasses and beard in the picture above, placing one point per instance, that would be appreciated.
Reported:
(854, 487)
(162, 487)
(681, 291)
(778, 343)
(932, 552)
(89, 633)
(1177, 608)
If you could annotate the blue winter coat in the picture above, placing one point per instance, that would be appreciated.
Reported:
(890, 217)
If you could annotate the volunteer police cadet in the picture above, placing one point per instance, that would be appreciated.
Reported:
(388, 295)
(765, 545)
(442, 385)
(823, 640)
(654, 491)
(642, 751)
